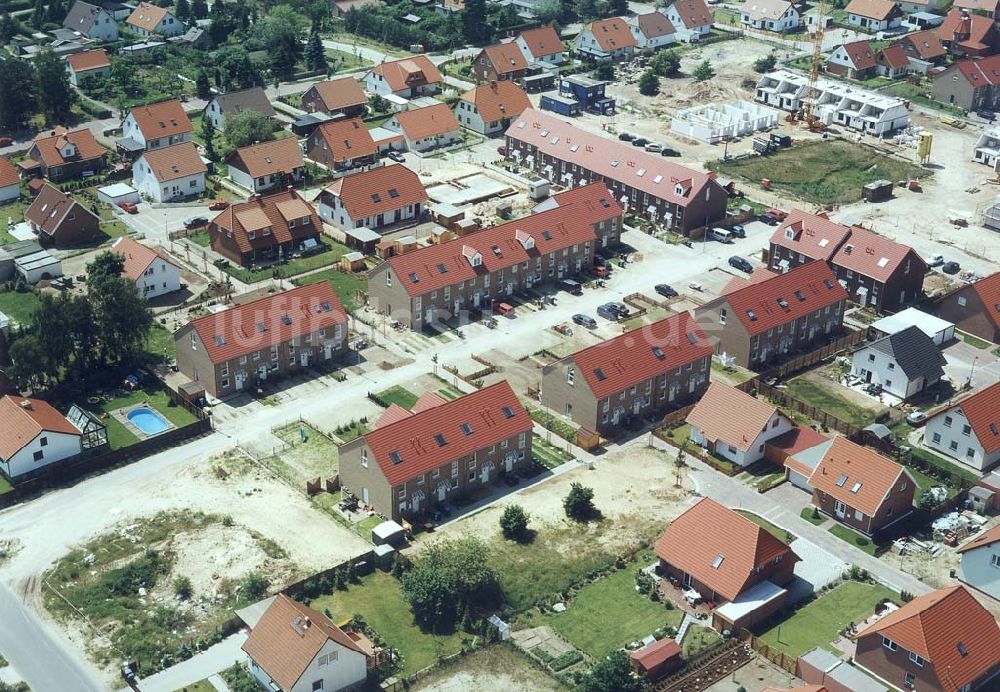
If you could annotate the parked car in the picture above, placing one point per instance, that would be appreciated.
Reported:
(195, 222)
(129, 207)
(640, 142)
(935, 261)
(777, 213)
(585, 320)
(654, 147)
(916, 418)
(620, 308)
(502, 150)
(218, 205)
(608, 312)
(741, 263)
(6, 141)
(665, 290)
(951, 267)
(667, 151)
(768, 218)
(396, 156)
(626, 136)
(987, 115)
(738, 231)
(571, 286)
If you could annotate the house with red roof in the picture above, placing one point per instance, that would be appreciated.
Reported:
(969, 430)
(294, 648)
(970, 35)
(59, 220)
(656, 188)
(944, 640)
(155, 125)
(769, 320)
(980, 565)
(265, 228)
(378, 199)
(343, 95)
(423, 458)
(341, 145)
(152, 273)
(10, 181)
(987, 8)
(734, 425)
(861, 488)
(657, 659)
(90, 64)
(771, 15)
(852, 60)
(170, 174)
(542, 45)
(691, 18)
(652, 30)
(606, 39)
(407, 77)
(974, 308)
(267, 165)
(923, 48)
(34, 435)
(973, 84)
(148, 19)
(246, 345)
(472, 272)
(634, 376)
(61, 154)
(501, 61)
(739, 568)
(489, 108)
(893, 61)
(874, 15)
(426, 128)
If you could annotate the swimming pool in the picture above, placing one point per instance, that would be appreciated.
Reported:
(147, 420)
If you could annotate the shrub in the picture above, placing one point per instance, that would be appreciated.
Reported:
(579, 503)
(765, 63)
(254, 586)
(514, 522)
(704, 71)
(182, 588)
(649, 83)
(566, 660)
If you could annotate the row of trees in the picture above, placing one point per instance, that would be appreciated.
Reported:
(74, 337)
(28, 87)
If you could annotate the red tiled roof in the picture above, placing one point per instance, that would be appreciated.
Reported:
(814, 281)
(88, 60)
(875, 256)
(873, 9)
(268, 158)
(337, 94)
(982, 410)
(392, 414)
(631, 358)
(428, 400)
(798, 439)
(347, 139)
(727, 414)
(236, 331)
(612, 34)
(926, 44)
(706, 531)
(288, 636)
(895, 56)
(812, 235)
(8, 173)
(272, 211)
(498, 100)
(173, 162)
(988, 290)
(506, 57)
(137, 256)
(738, 282)
(979, 72)
(614, 160)
(429, 121)
(22, 424)
(412, 439)
(406, 73)
(860, 54)
(655, 24)
(51, 207)
(868, 477)
(986, 538)
(147, 16)
(657, 653)
(694, 14)
(161, 119)
(377, 190)
(542, 41)
(565, 225)
(939, 626)
(976, 26)
(48, 147)
(980, 5)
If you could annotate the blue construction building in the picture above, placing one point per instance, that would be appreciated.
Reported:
(589, 93)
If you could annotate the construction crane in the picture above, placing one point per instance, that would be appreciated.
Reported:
(810, 119)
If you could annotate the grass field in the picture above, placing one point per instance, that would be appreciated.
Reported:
(341, 61)
(818, 623)
(697, 639)
(552, 422)
(609, 613)
(19, 306)
(807, 514)
(854, 538)
(345, 285)
(379, 599)
(548, 455)
(973, 341)
(200, 238)
(399, 395)
(298, 266)
(821, 172)
(826, 399)
(5, 487)
(920, 95)
(776, 531)
(119, 436)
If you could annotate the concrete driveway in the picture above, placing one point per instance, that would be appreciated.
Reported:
(156, 223)
(816, 569)
(965, 360)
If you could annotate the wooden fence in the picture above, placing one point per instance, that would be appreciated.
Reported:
(794, 365)
(827, 420)
(775, 656)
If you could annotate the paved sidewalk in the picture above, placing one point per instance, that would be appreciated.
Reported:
(200, 666)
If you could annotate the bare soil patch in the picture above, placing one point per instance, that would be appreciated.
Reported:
(497, 668)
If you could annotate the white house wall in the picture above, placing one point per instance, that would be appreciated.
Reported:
(941, 437)
(147, 184)
(160, 278)
(58, 446)
(105, 28)
(977, 569)
(886, 372)
(9, 192)
(712, 124)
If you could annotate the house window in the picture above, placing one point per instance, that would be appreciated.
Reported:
(995, 560)
(892, 366)
(364, 457)
(38, 456)
(43, 442)
(570, 376)
(961, 301)
(401, 493)
(970, 452)
(889, 644)
(966, 430)
(908, 680)
(936, 437)
(871, 357)
(947, 421)
(917, 658)
(953, 445)
(318, 685)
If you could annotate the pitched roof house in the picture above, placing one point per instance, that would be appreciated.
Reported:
(691, 18)
(854, 60)
(264, 228)
(341, 145)
(542, 45)
(969, 431)
(342, 95)
(407, 77)
(88, 64)
(606, 39)
(426, 128)
(635, 375)
(972, 84)
(774, 317)
(170, 173)
(893, 61)
(987, 8)
(231, 103)
(261, 167)
(944, 640)
(732, 562)
(923, 45)
(10, 181)
(813, 236)
(60, 154)
(60, 220)
(293, 647)
(155, 125)
(875, 15)
(91, 21)
(34, 435)
(980, 562)
(974, 307)
(500, 61)
(246, 345)
(489, 108)
(657, 659)
(405, 467)
(374, 199)
(904, 363)
(152, 273)
(969, 35)
(148, 19)
(652, 30)
(735, 425)
(771, 15)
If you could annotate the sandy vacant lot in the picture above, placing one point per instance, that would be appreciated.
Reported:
(499, 668)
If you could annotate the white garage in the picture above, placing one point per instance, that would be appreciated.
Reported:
(936, 328)
(801, 465)
(117, 194)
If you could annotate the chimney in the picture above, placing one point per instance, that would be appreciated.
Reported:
(848, 249)
(306, 622)
(26, 404)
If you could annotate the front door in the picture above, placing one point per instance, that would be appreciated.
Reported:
(418, 497)
(484, 476)
(262, 372)
(458, 307)
(475, 299)
(868, 375)
(841, 509)
(687, 580)
(618, 412)
(635, 407)
(328, 351)
(364, 496)
(304, 358)
(429, 316)
(241, 378)
(442, 492)
(508, 461)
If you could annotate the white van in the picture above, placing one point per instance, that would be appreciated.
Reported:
(722, 235)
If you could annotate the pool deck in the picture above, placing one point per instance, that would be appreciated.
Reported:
(121, 415)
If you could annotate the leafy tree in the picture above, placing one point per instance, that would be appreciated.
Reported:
(38, 14)
(124, 77)
(182, 588)
(649, 83)
(611, 674)
(254, 586)
(56, 12)
(590, 9)
(28, 360)
(605, 71)
(281, 31)
(49, 320)
(704, 71)
(203, 86)
(248, 127)
(765, 63)
(379, 104)
(315, 55)
(122, 316)
(182, 10)
(549, 12)
(8, 27)
(236, 68)
(579, 503)
(617, 8)
(199, 9)
(208, 134)
(514, 522)
(17, 93)
(474, 28)
(666, 63)
(56, 95)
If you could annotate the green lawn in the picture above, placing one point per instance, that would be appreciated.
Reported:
(925, 482)
(944, 464)
(345, 285)
(200, 238)
(973, 341)
(826, 399)
(552, 422)
(697, 639)
(341, 61)
(292, 268)
(546, 454)
(19, 306)
(379, 599)
(399, 395)
(776, 531)
(853, 537)
(159, 342)
(819, 622)
(821, 172)
(364, 527)
(5, 486)
(920, 95)
(119, 436)
(609, 613)
(807, 514)
(200, 686)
